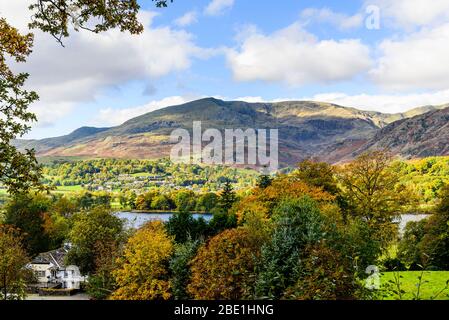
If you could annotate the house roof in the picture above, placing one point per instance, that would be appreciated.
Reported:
(55, 257)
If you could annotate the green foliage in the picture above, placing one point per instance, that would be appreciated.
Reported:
(180, 268)
(433, 285)
(264, 181)
(184, 227)
(317, 174)
(409, 250)
(132, 175)
(185, 200)
(206, 202)
(89, 230)
(298, 223)
(221, 221)
(227, 197)
(27, 213)
(19, 172)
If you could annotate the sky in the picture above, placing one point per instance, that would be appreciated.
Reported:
(383, 55)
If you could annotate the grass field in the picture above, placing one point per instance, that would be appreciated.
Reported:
(433, 282)
(68, 189)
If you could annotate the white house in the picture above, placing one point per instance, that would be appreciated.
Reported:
(50, 270)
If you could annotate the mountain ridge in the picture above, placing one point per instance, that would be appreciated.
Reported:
(307, 129)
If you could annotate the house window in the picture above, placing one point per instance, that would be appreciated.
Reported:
(40, 274)
(66, 274)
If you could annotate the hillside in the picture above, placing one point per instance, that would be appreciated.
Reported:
(305, 129)
(416, 137)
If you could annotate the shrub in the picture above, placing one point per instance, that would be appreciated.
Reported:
(224, 267)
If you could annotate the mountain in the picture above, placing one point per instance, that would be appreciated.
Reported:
(305, 129)
(419, 136)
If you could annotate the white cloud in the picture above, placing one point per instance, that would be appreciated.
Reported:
(385, 103)
(325, 15)
(412, 13)
(92, 62)
(217, 7)
(417, 61)
(296, 57)
(113, 117)
(393, 103)
(187, 19)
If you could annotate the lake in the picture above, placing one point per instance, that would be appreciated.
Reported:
(138, 219)
(406, 218)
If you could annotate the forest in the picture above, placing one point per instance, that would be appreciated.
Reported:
(312, 233)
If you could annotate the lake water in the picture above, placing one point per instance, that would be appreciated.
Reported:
(138, 219)
(406, 218)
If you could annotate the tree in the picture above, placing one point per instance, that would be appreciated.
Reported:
(298, 224)
(142, 270)
(20, 171)
(102, 284)
(184, 227)
(264, 181)
(206, 202)
(317, 174)
(89, 230)
(180, 268)
(373, 194)
(227, 197)
(434, 245)
(224, 267)
(409, 248)
(13, 259)
(324, 274)
(27, 213)
(185, 200)
(162, 202)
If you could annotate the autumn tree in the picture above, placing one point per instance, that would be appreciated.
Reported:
(13, 259)
(19, 171)
(262, 201)
(102, 284)
(142, 272)
(373, 193)
(317, 174)
(224, 267)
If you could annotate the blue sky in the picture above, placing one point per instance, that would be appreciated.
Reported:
(246, 50)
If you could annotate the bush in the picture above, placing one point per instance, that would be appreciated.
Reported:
(394, 264)
(224, 268)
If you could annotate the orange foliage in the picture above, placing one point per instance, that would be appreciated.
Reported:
(224, 267)
(264, 200)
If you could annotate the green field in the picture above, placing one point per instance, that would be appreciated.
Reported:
(433, 282)
(68, 189)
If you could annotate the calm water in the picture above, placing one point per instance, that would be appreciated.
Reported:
(137, 219)
(406, 218)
